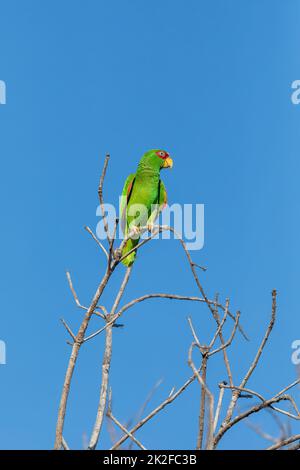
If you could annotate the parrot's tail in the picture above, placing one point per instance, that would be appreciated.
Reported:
(128, 246)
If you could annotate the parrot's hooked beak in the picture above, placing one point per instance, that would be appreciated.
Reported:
(168, 163)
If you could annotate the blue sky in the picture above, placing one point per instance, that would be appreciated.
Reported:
(208, 81)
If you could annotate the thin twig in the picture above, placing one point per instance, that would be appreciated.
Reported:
(166, 402)
(260, 432)
(113, 238)
(221, 324)
(202, 348)
(64, 444)
(203, 268)
(134, 249)
(263, 343)
(243, 389)
(285, 442)
(296, 382)
(131, 436)
(218, 409)
(204, 351)
(228, 342)
(101, 200)
(77, 300)
(96, 240)
(209, 395)
(147, 401)
(295, 447)
(73, 290)
(251, 369)
(245, 414)
(202, 404)
(68, 329)
(141, 299)
(123, 428)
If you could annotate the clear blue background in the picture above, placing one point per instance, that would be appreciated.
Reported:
(210, 81)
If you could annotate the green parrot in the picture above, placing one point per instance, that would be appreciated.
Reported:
(143, 197)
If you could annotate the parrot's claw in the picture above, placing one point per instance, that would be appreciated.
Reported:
(150, 227)
(117, 254)
(135, 229)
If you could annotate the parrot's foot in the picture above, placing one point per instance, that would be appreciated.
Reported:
(150, 227)
(135, 231)
(117, 254)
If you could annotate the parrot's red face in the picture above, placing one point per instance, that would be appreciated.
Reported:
(162, 154)
(167, 160)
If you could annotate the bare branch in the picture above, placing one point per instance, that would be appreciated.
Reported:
(260, 432)
(68, 329)
(252, 393)
(153, 413)
(296, 382)
(97, 241)
(73, 290)
(106, 366)
(209, 395)
(204, 351)
(141, 299)
(252, 367)
(148, 399)
(64, 444)
(101, 200)
(221, 324)
(228, 343)
(219, 405)
(203, 268)
(245, 414)
(220, 334)
(77, 300)
(202, 404)
(263, 343)
(243, 389)
(73, 358)
(112, 241)
(143, 242)
(285, 442)
(128, 433)
(202, 348)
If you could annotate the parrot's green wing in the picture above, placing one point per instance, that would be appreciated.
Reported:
(162, 196)
(161, 202)
(126, 193)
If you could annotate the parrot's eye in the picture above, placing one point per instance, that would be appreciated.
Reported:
(162, 154)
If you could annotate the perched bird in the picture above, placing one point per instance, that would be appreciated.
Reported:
(143, 197)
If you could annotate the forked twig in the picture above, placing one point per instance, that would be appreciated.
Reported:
(123, 428)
